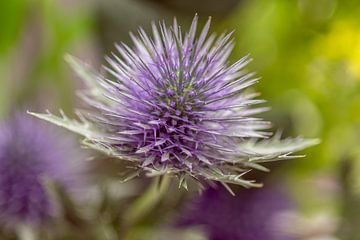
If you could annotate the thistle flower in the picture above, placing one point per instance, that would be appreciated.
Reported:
(173, 104)
(251, 215)
(30, 151)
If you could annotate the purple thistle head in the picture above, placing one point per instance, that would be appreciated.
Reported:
(30, 151)
(251, 215)
(174, 104)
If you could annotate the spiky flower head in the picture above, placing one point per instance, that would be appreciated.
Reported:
(251, 215)
(29, 152)
(174, 104)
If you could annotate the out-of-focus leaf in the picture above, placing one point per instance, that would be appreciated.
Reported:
(11, 19)
(162, 233)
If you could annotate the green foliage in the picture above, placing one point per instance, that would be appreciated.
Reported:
(11, 22)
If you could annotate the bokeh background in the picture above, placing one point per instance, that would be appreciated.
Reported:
(306, 51)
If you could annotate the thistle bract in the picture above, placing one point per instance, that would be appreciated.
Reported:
(29, 152)
(173, 104)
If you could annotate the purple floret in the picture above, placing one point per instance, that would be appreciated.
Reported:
(176, 101)
(173, 104)
(30, 151)
(251, 215)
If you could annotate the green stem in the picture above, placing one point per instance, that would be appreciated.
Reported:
(147, 201)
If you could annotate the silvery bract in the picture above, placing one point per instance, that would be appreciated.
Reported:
(173, 104)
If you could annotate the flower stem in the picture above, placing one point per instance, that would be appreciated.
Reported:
(147, 201)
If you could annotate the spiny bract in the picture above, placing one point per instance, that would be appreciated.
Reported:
(173, 104)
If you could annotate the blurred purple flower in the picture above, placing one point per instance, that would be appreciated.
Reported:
(173, 104)
(30, 151)
(248, 216)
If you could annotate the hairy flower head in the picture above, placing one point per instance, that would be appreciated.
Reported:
(174, 104)
(251, 215)
(30, 151)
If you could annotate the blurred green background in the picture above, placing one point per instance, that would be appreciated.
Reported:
(306, 51)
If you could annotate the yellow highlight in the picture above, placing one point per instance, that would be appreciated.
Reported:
(342, 43)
